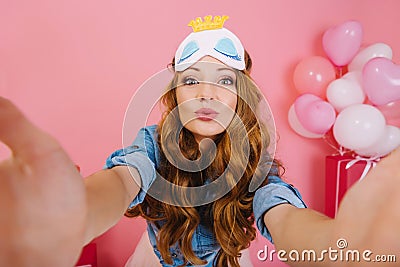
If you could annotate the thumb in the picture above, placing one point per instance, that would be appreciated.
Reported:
(23, 138)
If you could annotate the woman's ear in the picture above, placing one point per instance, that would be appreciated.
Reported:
(248, 62)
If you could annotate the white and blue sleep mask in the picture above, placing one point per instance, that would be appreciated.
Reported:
(219, 43)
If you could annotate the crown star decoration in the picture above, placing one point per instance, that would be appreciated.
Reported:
(209, 23)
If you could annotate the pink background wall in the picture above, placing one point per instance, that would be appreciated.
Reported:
(72, 66)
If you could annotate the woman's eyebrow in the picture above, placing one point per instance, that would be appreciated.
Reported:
(229, 69)
(192, 68)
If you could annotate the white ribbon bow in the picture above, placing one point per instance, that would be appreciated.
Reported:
(371, 163)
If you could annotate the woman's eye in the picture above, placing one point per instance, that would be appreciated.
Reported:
(190, 81)
(226, 81)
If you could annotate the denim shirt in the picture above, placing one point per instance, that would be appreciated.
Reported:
(144, 155)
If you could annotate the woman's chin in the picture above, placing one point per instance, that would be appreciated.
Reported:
(204, 128)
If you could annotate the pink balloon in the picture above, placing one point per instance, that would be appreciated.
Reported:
(367, 53)
(297, 127)
(381, 81)
(313, 74)
(342, 42)
(391, 111)
(316, 115)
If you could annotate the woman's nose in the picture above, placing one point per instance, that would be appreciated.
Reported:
(206, 91)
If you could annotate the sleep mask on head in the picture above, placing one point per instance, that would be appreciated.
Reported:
(209, 38)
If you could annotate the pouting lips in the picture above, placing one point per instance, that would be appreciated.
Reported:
(206, 114)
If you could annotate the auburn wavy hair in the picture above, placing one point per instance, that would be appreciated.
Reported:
(230, 218)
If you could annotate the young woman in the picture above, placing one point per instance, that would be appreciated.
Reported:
(200, 198)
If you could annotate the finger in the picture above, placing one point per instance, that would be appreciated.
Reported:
(385, 177)
(394, 156)
(391, 163)
(20, 135)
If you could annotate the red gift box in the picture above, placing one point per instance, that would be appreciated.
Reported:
(88, 256)
(341, 172)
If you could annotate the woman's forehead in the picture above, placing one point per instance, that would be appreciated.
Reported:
(208, 63)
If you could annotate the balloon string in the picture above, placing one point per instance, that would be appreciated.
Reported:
(331, 144)
(339, 72)
(338, 148)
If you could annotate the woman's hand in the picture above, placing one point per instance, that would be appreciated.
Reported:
(369, 215)
(366, 229)
(42, 197)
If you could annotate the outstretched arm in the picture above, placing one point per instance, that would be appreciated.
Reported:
(368, 219)
(299, 229)
(109, 193)
(48, 212)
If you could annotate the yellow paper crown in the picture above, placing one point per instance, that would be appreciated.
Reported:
(199, 25)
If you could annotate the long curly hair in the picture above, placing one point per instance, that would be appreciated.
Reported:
(230, 218)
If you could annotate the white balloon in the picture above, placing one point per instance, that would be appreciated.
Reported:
(386, 144)
(359, 126)
(368, 53)
(297, 127)
(346, 91)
